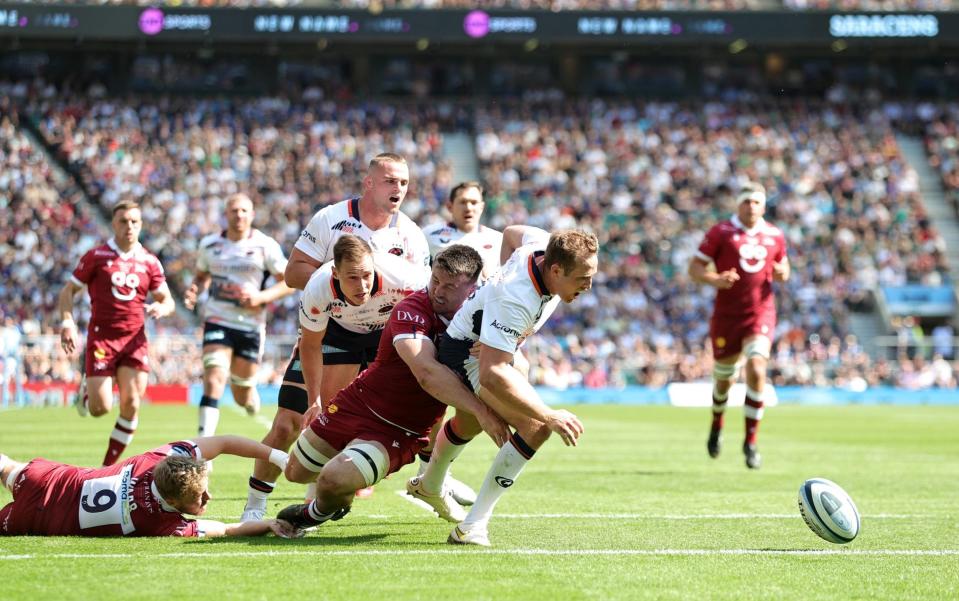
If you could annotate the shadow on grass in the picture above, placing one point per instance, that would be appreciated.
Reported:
(310, 540)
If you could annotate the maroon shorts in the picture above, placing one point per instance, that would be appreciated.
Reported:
(30, 493)
(346, 420)
(107, 350)
(728, 332)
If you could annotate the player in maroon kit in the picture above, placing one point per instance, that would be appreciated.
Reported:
(119, 274)
(145, 495)
(378, 423)
(749, 255)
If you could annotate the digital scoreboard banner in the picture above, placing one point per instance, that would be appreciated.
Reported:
(469, 27)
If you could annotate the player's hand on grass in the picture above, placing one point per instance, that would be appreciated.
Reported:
(494, 426)
(68, 337)
(726, 279)
(284, 529)
(565, 424)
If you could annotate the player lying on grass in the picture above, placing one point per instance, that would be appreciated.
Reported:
(145, 495)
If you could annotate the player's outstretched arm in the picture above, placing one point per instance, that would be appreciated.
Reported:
(68, 328)
(299, 269)
(213, 446)
(213, 529)
(508, 385)
(445, 386)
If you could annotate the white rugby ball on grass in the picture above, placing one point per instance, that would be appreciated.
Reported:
(828, 511)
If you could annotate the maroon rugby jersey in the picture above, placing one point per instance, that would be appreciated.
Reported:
(118, 284)
(752, 254)
(388, 388)
(117, 500)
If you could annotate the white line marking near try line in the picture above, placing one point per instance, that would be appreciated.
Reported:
(313, 552)
(660, 516)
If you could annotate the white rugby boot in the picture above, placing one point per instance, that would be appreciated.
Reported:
(443, 504)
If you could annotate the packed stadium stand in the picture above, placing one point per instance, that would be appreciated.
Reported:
(650, 177)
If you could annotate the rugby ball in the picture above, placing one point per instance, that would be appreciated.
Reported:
(828, 511)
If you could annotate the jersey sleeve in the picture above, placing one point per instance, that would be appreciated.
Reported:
(411, 318)
(709, 248)
(157, 277)
(398, 273)
(504, 323)
(780, 247)
(316, 297)
(420, 250)
(275, 259)
(84, 271)
(534, 235)
(314, 241)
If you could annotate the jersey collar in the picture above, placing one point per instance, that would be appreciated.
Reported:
(112, 243)
(752, 232)
(536, 276)
(353, 210)
(163, 504)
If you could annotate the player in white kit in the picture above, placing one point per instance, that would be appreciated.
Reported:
(233, 266)
(542, 270)
(466, 209)
(376, 218)
(346, 304)
(465, 206)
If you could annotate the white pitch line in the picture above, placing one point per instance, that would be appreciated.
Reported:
(313, 552)
(653, 516)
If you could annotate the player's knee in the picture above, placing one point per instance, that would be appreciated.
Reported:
(295, 472)
(370, 460)
(284, 432)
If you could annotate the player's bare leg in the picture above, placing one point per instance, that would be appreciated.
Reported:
(528, 437)
(243, 384)
(756, 349)
(216, 362)
(99, 395)
(724, 374)
(132, 384)
(283, 433)
(362, 463)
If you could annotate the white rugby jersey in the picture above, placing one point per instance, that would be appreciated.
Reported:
(393, 280)
(510, 306)
(402, 237)
(486, 241)
(246, 263)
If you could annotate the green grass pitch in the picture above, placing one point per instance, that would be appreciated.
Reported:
(637, 511)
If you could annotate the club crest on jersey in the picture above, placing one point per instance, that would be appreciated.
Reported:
(331, 409)
(396, 250)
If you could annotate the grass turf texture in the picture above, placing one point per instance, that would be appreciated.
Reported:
(637, 511)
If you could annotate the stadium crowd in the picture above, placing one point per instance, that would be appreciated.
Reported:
(649, 177)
